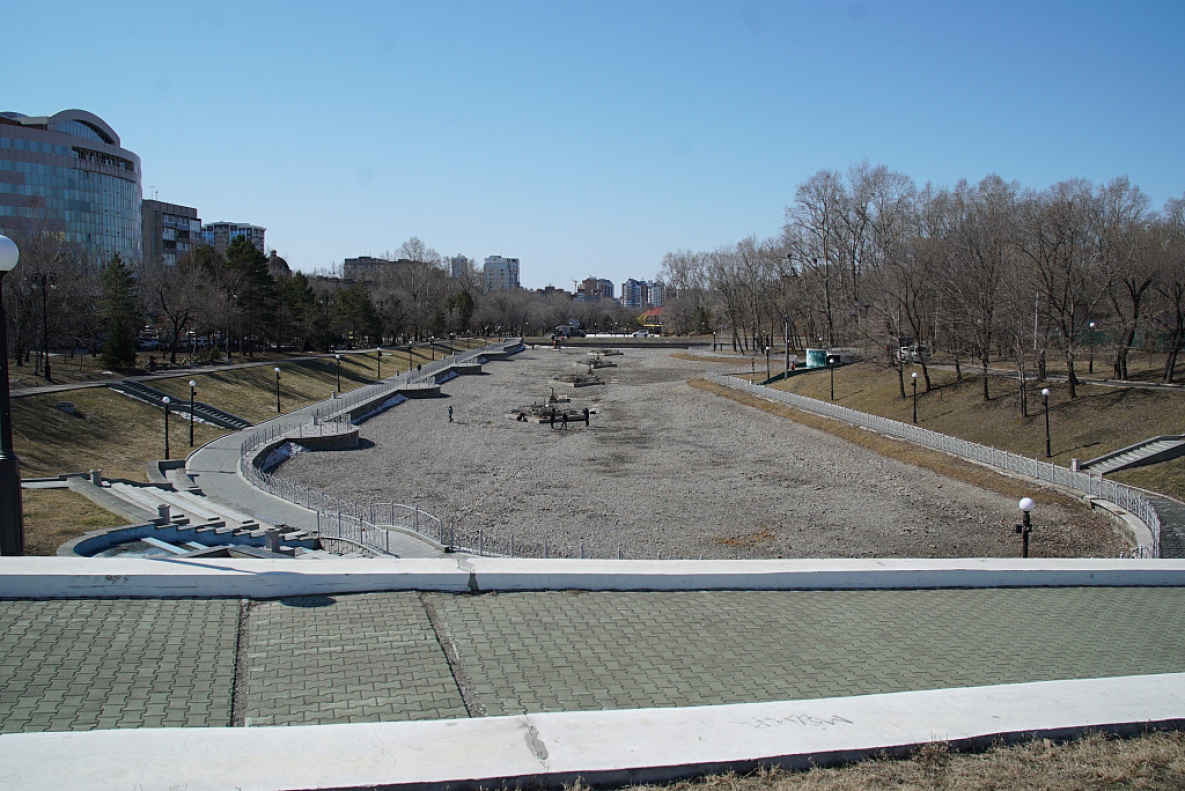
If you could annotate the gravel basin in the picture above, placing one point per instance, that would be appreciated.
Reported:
(667, 469)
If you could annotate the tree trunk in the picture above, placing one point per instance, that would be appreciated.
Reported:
(1071, 377)
(1170, 361)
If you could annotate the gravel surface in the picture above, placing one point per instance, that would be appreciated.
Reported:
(666, 469)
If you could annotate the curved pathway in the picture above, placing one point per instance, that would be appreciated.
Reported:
(215, 468)
(1172, 525)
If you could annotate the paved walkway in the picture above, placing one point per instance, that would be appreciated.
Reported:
(381, 657)
(1172, 526)
(214, 467)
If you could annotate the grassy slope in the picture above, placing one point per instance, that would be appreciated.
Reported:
(1100, 420)
(120, 436)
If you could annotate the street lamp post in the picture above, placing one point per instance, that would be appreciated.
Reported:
(338, 357)
(410, 344)
(914, 381)
(378, 356)
(192, 393)
(12, 526)
(713, 340)
(768, 373)
(1045, 404)
(166, 401)
(1025, 527)
(1090, 367)
(277, 389)
(831, 368)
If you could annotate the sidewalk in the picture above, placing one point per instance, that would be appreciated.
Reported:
(424, 684)
(215, 468)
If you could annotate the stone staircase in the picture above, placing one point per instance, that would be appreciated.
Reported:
(1150, 451)
(209, 521)
(204, 412)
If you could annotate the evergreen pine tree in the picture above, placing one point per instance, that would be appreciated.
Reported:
(121, 319)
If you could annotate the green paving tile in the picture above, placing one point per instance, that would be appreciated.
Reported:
(534, 652)
(67, 661)
(350, 658)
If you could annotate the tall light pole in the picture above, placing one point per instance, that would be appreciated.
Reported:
(192, 393)
(768, 373)
(166, 401)
(338, 357)
(1090, 368)
(831, 368)
(1045, 404)
(914, 381)
(12, 525)
(277, 389)
(378, 356)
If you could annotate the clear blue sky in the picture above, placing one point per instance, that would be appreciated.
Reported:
(589, 138)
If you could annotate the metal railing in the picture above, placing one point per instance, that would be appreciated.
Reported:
(1093, 485)
(337, 517)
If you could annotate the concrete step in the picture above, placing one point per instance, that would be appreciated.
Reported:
(1150, 451)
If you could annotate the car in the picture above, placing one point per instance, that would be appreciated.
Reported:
(641, 334)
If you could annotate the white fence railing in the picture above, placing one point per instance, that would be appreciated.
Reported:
(358, 523)
(1085, 482)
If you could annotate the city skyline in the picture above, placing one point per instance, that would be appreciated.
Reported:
(591, 140)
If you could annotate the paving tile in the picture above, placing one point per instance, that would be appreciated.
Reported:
(532, 652)
(350, 658)
(84, 664)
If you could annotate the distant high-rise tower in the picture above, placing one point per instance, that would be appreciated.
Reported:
(500, 273)
(221, 234)
(656, 293)
(633, 294)
(170, 231)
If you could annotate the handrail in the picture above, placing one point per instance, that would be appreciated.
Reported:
(1095, 486)
(338, 517)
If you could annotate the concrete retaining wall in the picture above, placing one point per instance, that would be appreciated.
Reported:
(48, 578)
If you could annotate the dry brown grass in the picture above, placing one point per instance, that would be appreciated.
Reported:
(55, 516)
(952, 467)
(120, 436)
(1101, 419)
(1151, 762)
(109, 431)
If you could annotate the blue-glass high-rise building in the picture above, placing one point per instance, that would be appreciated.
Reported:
(66, 175)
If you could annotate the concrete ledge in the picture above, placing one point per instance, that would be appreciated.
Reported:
(49, 578)
(108, 501)
(1133, 528)
(604, 747)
